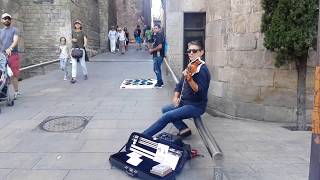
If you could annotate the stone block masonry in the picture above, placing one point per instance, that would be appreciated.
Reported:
(42, 22)
(245, 82)
(129, 14)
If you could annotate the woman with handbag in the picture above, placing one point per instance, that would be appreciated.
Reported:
(79, 42)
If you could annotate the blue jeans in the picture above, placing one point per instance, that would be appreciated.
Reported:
(157, 61)
(64, 65)
(174, 115)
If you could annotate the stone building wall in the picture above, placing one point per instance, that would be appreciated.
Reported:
(244, 82)
(104, 18)
(129, 14)
(44, 23)
(174, 28)
(112, 13)
(88, 13)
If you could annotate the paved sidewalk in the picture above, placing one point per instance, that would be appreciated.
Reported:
(253, 150)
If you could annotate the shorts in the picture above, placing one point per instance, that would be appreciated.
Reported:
(138, 40)
(14, 64)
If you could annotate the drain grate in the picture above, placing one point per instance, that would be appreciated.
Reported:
(64, 123)
(295, 128)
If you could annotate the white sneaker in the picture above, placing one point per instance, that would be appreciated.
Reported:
(16, 95)
(65, 78)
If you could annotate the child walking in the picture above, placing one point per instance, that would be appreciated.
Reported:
(63, 56)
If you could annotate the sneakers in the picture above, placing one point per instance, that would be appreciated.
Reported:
(158, 84)
(184, 133)
(73, 80)
(85, 77)
(16, 95)
(65, 78)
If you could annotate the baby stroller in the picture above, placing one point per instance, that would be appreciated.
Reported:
(5, 95)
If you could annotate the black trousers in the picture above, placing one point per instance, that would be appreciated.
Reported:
(314, 171)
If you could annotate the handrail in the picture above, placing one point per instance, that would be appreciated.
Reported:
(209, 141)
(39, 65)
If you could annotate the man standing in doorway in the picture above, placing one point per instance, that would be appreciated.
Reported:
(9, 45)
(157, 51)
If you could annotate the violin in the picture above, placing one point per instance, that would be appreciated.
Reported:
(192, 69)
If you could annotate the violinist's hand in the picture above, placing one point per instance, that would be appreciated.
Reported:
(317, 139)
(176, 101)
(187, 75)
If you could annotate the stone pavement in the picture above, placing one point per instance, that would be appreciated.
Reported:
(253, 150)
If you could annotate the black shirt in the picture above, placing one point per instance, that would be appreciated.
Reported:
(188, 96)
(158, 39)
(137, 32)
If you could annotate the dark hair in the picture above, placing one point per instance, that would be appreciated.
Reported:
(196, 43)
(138, 26)
(63, 38)
(157, 25)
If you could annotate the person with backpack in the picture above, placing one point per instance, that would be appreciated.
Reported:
(157, 52)
(148, 36)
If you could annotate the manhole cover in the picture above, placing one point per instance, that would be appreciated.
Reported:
(64, 123)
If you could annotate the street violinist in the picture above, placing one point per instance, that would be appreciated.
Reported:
(190, 95)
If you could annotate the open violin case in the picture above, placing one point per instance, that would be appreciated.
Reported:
(142, 155)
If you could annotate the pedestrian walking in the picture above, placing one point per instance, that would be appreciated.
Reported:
(122, 40)
(137, 36)
(127, 37)
(190, 96)
(157, 52)
(113, 36)
(9, 45)
(64, 53)
(79, 41)
(117, 41)
(144, 38)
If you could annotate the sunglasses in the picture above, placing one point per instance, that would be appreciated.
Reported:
(193, 50)
(6, 18)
